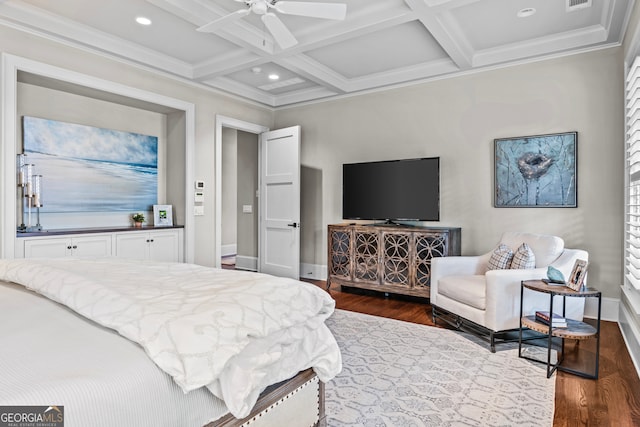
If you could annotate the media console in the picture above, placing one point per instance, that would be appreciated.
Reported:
(393, 259)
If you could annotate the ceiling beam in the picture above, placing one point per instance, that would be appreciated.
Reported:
(446, 32)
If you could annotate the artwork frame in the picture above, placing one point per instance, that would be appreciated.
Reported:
(163, 215)
(577, 275)
(536, 171)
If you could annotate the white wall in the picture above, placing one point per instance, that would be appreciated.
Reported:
(457, 119)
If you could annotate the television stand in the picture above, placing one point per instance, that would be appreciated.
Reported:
(388, 259)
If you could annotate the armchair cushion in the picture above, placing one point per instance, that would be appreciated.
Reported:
(469, 290)
(500, 258)
(523, 258)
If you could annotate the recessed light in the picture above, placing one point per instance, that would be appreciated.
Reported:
(256, 70)
(526, 12)
(273, 77)
(143, 21)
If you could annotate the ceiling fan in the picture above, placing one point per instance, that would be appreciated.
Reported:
(276, 27)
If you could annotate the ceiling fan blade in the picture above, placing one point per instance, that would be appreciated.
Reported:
(221, 22)
(336, 11)
(280, 33)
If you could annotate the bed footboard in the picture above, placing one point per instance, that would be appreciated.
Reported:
(298, 402)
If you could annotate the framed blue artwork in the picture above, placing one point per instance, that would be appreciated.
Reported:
(90, 169)
(536, 171)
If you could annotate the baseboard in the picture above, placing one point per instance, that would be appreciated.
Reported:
(246, 263)
(226, 250)
(610, 309)
(631, 335)
(313, 271)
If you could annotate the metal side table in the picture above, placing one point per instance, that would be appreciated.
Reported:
(575, 330)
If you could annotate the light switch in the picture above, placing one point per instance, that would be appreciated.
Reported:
(198, 210)
(247, 209)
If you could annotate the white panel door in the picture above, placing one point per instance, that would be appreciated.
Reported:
(280, 202)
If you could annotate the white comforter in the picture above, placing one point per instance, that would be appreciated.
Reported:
(232, 332)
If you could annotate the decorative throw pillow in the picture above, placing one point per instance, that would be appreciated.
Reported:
(500, 258)
(523, 258)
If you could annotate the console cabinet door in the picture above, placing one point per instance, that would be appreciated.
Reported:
(132, 245)
(91, 245)
(165, 246)
(57, 247)
(47, 248)
(159, 245)
(339, 255)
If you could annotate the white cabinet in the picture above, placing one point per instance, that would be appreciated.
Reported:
(152, 244)
(56, 247)
(156, 245)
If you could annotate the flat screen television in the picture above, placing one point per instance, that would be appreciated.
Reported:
(392, 190)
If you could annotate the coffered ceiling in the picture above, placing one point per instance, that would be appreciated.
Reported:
(380, 43)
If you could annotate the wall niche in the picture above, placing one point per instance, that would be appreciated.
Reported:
(39, 90)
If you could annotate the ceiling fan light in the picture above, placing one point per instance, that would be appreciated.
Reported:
(259, 7)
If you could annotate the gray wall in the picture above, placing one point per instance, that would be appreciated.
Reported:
(229, 175)
(247, 186)
(457, 119)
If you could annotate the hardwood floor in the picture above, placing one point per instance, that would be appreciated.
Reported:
(612, 400)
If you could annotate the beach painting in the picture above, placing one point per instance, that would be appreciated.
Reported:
(90, 169)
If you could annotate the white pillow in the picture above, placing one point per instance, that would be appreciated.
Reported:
(500, 258)
(523, 258)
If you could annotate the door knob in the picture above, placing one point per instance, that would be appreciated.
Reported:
(294, 225)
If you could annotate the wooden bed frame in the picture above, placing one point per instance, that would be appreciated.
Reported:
(297, 402)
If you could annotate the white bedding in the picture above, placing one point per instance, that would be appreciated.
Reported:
(50, 355)
(232, 332)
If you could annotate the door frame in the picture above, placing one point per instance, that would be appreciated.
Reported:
(229, 122)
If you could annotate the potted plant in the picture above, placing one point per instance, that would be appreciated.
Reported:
(138, 219)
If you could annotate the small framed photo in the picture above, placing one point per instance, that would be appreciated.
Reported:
(162, 215)
(577, 275)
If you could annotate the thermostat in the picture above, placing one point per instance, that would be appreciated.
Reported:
(199, 185)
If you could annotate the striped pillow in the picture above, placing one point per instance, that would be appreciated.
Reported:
(524, 258)
(500, 258)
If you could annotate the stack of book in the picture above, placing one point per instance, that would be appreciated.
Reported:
(556, 322)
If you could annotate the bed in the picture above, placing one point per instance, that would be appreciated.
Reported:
(121, 342)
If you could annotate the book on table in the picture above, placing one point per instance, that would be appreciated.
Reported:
(557, 321)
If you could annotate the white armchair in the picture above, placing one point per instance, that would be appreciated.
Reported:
(467, 295)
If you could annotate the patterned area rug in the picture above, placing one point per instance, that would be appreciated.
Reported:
(402, 374)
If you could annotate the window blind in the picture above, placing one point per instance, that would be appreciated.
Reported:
(632, 176)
